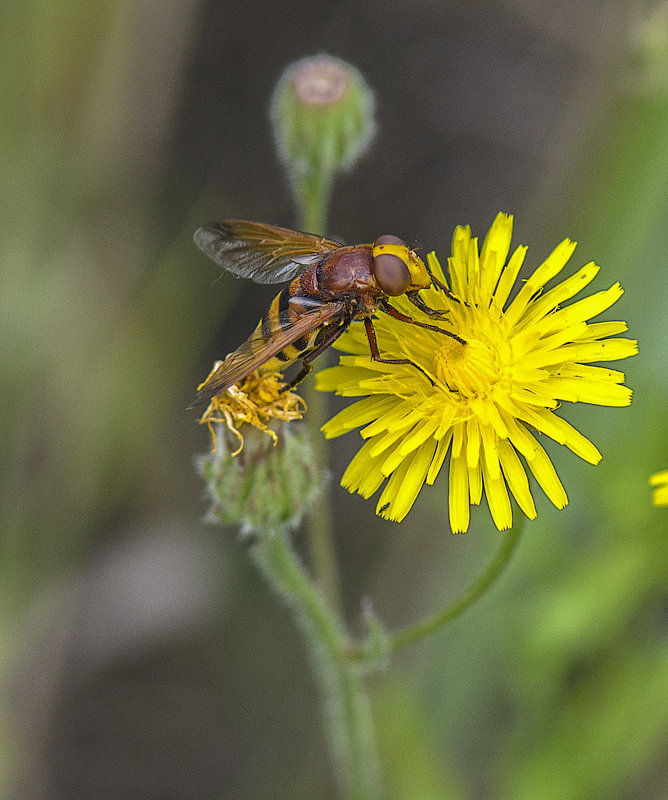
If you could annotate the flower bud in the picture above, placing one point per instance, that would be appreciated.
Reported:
(322, 112)
(266, 487)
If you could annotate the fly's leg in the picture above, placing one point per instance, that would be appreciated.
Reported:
(299, 377)
(375, 354)
(306, 361)
(442, 286)
(388, 309)
(416, 300)
(398, 315)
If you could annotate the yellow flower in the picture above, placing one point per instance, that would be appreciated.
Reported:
(253, 401)
(483, 402)
(660, 494)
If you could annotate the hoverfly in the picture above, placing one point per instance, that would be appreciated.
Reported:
(330, 286)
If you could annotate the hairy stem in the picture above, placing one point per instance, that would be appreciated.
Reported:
(345, 703)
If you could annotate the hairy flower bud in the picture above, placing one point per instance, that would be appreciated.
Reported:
(268, 486)
(322, 113)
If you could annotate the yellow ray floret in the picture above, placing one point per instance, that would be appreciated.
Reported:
(660, 482)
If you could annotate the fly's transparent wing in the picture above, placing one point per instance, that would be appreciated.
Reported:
(258, 349)
(263, 253)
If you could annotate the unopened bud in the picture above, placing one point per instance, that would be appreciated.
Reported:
(322, 112)
(267, 487)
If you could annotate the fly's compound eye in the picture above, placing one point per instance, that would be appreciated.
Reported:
(390, 269)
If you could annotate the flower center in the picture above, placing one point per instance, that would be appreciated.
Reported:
(320, 81)
(475, 368)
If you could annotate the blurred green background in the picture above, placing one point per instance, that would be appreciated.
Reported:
(142, 657)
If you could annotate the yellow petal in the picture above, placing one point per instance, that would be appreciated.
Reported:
(472, 442)
(490, 452)
(458, 496)
(551, 267)
(392, 419)
(546, 475)
(404, 488)
(562, 292)
(475, 485)
(658, 478)
(439, 458)
(420, 433)
(363, 475)
(509, 276)
(497, 499)
(358, 414)
(516, 478)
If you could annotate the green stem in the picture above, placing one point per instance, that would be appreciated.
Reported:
(380, 645)
(345, 703)
(320, 530)
(313, 193)
(413, 633)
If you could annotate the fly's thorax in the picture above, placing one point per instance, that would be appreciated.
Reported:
(348, 270)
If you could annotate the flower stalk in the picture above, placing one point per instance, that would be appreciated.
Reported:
(322, 114)
(346, 708)
(266, 489)
(367, 652)
(434, 622)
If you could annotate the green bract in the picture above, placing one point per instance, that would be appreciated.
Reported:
(266, 487)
